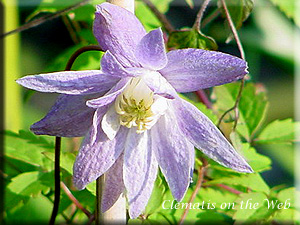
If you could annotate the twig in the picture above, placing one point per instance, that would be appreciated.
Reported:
(201, 173)
(91, 219)
(233, 30)
(80, 51)
(161, 17)
(240, 47)
(230, 189)
(44, 19)
(74, 200)
(197, 23)
(57, 180)
(203, 98)
(210, 18)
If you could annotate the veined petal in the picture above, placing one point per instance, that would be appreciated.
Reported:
(109, 96)
(114, 185)
(207, 137)
(95, 159)
(68, 117)
(173, 153)
(150, 52)
(140, 170)
(70, 82)
(118, 31)
(110, 65)
(193, 69)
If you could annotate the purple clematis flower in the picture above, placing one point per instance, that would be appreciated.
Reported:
(132, 118)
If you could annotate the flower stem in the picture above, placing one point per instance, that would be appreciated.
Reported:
(57, 180)
(197, 24)
(99, 188)
(242, 53)
(161, 17)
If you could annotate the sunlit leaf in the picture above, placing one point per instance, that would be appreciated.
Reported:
(289, 8)
(239, 10)
(251, 207)
(279, 132)
(190, 39)
(253, 181)
(66, 161)
(26, 147)
(252, 106)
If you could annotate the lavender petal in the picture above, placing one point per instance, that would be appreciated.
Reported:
(95, 159)
(173, 153)
(68, 117)
(150, 52)
(207, 137)
(193, 69)
(140, 169)
(70, 82)
(118, 31)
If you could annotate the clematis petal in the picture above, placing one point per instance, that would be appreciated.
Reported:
(150, 52)
(110, 123)
(109, 96)
(95, 159)
(118, 31)
(114, 185)
(159, 85)
(110, 65)
(140, 170)
(68, 117)
(172, 151)
(70, 82)
(193, 69)
(207, 137)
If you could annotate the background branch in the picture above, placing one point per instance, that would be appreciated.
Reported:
(44, 19)
(160, 16)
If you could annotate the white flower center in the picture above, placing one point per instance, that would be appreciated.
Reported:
(138, 106)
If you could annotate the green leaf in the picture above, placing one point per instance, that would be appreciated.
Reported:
(251, 207)
(252, 106)
(191, 39)
(239, 10)
(215, 195)
(286, 216)
(253, 181)
(211, 217)
(288, 7)
(25, 186)
(258, 162)
(67, 160)
(279, 132)
(86, 61)
(288, 195)
(147, 17)
(190, 3)
(26, 147)
(157, 196)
